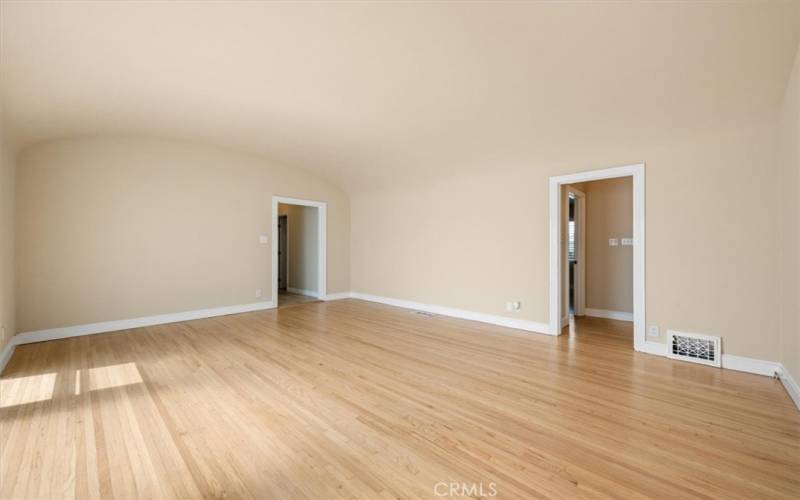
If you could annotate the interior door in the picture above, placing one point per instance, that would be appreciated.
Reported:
(579, 266)
(575, 267)
(283, 280)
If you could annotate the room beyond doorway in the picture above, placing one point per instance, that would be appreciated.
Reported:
(598, 249)
(298, 250)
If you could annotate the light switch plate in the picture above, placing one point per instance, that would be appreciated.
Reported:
(263, 239)
(627, 242)
(613, 242)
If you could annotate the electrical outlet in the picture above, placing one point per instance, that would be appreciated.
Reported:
(652, 331)
(259, 292)
(613, 242)
(513, 306)
(263, 239)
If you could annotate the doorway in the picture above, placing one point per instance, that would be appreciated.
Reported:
(559, 277)
(299, 230)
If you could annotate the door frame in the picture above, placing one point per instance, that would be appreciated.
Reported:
(580, 275)
(322, 224)
(637, 172)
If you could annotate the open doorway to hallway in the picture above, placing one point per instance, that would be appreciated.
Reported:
(299, 252)
(598, 253)
(635, 239)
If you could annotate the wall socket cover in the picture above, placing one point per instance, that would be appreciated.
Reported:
(259, 292)
(652, 331)
(613, 242)
(263, 239)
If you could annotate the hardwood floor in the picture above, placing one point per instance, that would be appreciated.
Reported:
(291, 299)
(350, 399)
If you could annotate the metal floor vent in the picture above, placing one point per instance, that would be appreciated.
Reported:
(703, 349)
(423, 313)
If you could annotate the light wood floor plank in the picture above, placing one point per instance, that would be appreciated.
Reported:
(350, 399)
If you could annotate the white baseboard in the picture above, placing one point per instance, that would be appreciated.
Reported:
(564, 321)
(729, 361)
(654, 348)
(750, 365)
(790, 385)
(125, 324)
(519, 324)
(300, 291)
(603, 313)
(5, 354)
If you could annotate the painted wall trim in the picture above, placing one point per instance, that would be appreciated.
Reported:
(790, 385)
(604, 313)
(125, 324)
(337, 296)
(6, 354)
(300, 291)
(122, 324)
(729, 361)
(750, 365)
(519, 324)
(654, 348)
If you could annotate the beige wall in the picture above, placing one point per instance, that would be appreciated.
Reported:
(303, 248)
(790, 224)
(7, 222)
(475, 242)
(115, 229)
(609, 270)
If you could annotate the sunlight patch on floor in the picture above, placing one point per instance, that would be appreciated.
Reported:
(105, 377)
(24, 390)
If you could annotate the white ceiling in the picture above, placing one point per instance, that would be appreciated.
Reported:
(366, 94)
